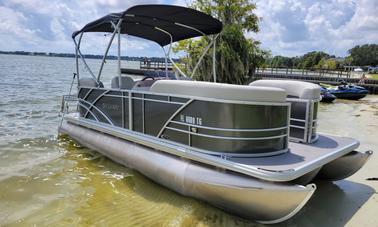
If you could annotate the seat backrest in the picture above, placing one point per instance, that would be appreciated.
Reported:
(160, 73)
(89, 82)
(304, 98)
(293, 88)
(219, 91)
(127, 82)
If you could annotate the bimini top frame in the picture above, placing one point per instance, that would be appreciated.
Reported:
(163, 24)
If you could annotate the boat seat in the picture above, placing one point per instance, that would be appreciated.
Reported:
(294, 89)
(143, 85)
(160, 73)
(219, 91)
(89, 82)
(127, 82)
(304, 98)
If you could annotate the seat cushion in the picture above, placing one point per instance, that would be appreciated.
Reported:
(219, 91)
(127, 82)
(89, 82)
(294, 88)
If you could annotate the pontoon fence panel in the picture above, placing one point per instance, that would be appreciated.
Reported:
(229, 130)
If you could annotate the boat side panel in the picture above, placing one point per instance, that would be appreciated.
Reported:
(208, 125)
(137, 119)
(156, 114)
(206, 118)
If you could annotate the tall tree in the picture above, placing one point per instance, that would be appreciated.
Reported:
(365, 55)
(311, 59)
(236, 55)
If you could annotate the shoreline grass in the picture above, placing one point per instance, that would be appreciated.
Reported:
(372, 76)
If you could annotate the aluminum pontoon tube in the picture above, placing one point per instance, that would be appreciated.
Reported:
(245, 196)
(344, 166)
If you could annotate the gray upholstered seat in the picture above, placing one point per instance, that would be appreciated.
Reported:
(219, 91)
(296, 89)
(89, 82)
(127, 82)
(303, 108)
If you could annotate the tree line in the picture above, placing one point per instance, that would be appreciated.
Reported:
(364, 55)
(88, 56)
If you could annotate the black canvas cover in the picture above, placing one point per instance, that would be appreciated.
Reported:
(142, 20)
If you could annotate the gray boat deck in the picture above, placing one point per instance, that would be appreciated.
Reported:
(303, 155)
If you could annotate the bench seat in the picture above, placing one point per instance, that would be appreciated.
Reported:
(293, 88)
(219, 91)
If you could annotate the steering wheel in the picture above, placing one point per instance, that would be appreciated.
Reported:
(148, 77)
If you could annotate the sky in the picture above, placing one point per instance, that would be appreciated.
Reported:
(288, 27)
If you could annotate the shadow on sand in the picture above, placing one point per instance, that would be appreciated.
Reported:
(333, 204)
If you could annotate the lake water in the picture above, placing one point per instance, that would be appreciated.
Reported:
(49, 181)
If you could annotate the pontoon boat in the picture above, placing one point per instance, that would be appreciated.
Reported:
(250, 150)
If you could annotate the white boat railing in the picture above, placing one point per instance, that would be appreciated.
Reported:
(308, 124)
(92, 112)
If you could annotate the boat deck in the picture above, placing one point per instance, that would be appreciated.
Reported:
(301, 155)
(301, 158)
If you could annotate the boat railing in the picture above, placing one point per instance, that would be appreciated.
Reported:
(303, 120)
(69, 104)
(131, 110)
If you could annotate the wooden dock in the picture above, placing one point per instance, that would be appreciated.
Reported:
(315, 76)
(154, 65)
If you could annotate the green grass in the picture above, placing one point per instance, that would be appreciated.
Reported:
(372, 76)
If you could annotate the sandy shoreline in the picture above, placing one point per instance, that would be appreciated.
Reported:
(353, 201)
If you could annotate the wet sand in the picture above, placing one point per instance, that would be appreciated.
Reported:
(353, 201)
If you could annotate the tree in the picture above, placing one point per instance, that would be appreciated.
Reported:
(280, 62)
(365, 55)
(311, 59)
(314, 59)
(236, 55)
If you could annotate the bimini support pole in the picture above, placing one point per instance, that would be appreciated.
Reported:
(203, 55)
(166, 62)
(77, 45)
(119, 57)
(212, 43)
(169, 51)
(108, 47)
(214, 59)
(77, 65)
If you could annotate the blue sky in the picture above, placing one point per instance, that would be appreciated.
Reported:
(288, 27)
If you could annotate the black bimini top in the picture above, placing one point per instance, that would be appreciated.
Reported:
(144, 20)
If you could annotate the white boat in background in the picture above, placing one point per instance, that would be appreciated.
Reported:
(250, 150)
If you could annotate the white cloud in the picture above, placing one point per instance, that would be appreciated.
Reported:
(295, 27)
(289, 27)
(47, 25)
(13, 23)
